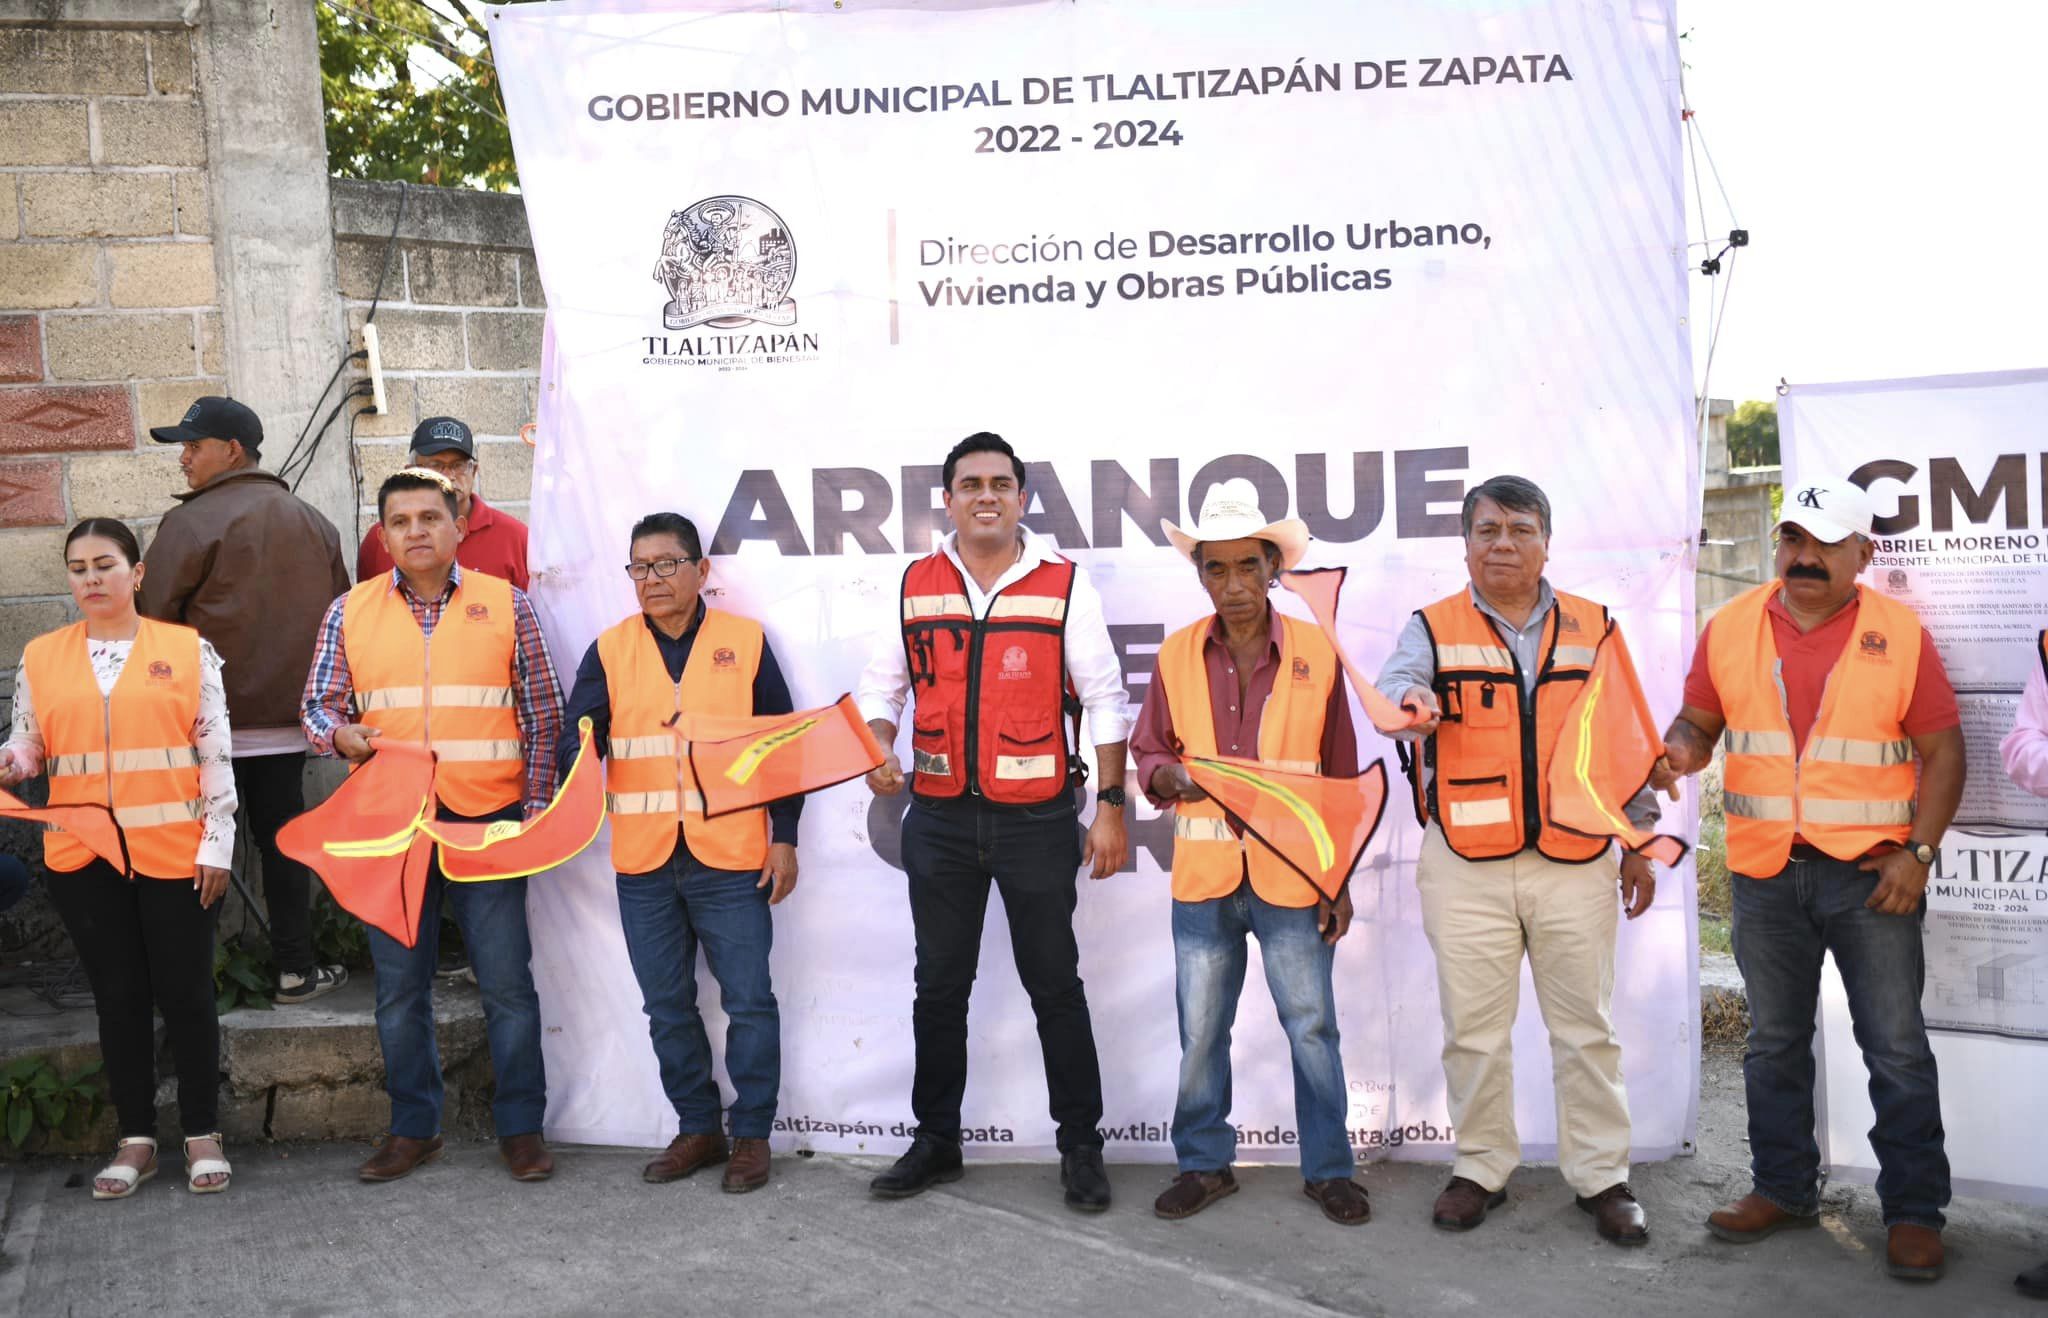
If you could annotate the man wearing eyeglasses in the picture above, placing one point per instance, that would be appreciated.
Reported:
(685, 880)
(494, 542)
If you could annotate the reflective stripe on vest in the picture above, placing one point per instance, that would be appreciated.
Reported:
(1209, 860)
(989, 691)
(1485, 775)
(650, 789)
(1851, 788)
(452, 692)
(130, 749)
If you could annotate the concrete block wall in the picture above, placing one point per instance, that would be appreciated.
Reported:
(110, 317)
(458, 323)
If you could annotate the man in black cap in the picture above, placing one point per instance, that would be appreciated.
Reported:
(253, 568)
(492, 541)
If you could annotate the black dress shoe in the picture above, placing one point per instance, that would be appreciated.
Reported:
(928, 1162)
(1086, 1183)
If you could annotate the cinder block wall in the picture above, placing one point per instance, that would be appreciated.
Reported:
(109, 306)
(459, 324)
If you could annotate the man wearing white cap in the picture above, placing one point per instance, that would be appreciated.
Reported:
(1496, 667)
(1249, 683)
(1824, 692)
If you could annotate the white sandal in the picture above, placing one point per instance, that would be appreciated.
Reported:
(131, 1178)
(206, 1167)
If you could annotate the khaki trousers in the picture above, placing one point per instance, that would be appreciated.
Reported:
(1480, 915)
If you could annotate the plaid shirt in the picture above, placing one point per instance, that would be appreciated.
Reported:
(329, 702)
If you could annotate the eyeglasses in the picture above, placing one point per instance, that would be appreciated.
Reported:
(660, 567)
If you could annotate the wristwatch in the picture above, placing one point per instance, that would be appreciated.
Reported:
(1922, 852)
(1111, 796)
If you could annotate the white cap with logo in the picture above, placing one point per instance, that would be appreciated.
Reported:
(1830, 511)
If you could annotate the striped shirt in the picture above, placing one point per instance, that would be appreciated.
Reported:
(329, 701)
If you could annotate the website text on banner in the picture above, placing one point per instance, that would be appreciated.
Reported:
(792, 257)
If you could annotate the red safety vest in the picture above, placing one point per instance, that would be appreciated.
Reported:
(1492, 751)
(989, 691)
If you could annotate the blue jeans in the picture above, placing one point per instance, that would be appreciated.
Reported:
(668, 913)
(492, 917)
(1208, 965)
(1782, 926)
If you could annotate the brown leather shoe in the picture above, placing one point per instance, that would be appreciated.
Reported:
(1343, 1202)
(1752, 1217)
(396, 1156)
(1617, 1215)
(748, 1169)
(528, 1157)
(1464, 1204)
(1914, 1252)
(1191, 1192)
(685, 1154)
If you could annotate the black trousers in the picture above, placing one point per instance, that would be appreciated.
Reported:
(147, 946)
(952, 851)
(272, 789)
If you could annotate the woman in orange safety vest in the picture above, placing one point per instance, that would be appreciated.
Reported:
(126, 712)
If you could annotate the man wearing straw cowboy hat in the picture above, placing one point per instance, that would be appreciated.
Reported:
(1251, 683)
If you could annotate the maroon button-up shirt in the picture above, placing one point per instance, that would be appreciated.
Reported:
(1236, 720)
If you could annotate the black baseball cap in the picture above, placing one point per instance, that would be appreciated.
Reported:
(213, 418)
(439, 434)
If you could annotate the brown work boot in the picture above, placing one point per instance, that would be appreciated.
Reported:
(1752, 1217)
(748, 1169)
(1191, 1192)
(1913, 1252)
(528, 1157)
(396, 1156)
(685, 1154)
(1617, 1216)
(1464, 1204)
(1342, 1201)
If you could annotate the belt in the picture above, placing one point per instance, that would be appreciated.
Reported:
(1805, 851)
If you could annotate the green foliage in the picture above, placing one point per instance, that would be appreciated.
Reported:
(1753, 435)
(338, 937)
(240, 977)
(33, 1097)
(386, 120)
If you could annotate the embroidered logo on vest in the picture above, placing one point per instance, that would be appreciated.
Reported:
(1016, 664)
(1873, 644)
(477, 613)
(1301, 670)
(723, 658)
(159, 671)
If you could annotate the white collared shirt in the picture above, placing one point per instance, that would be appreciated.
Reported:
(1091, 657)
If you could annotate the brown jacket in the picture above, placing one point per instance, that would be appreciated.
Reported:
(253, 567)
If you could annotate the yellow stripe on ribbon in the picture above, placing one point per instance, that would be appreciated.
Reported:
(1318, 832)
(750, 759)
(1582, 762)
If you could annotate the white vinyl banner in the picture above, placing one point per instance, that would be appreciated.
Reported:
(1364, 256)
(1954, 466)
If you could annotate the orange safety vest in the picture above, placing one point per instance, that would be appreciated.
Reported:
(1492, 751)
(990, 690)
(650, 787)
(453, 693)
(131, 749)
(1852, 787)
(1209, 860)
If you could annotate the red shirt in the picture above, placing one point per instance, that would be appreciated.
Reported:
(1236, 721)
(496, 543)
(1808, 658)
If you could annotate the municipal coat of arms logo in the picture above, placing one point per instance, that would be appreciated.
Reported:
(726, 262)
